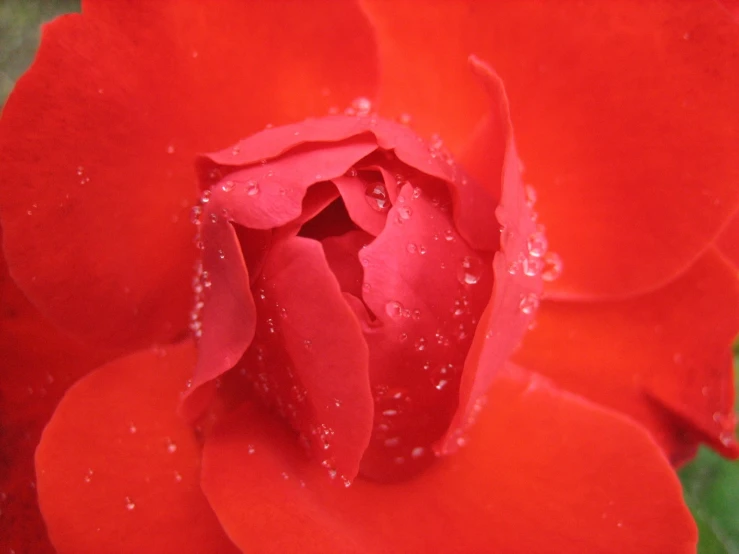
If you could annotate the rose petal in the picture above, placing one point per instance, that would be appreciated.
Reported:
(518, 283)
(99, 137)
(599, 133)
(501, 494)
(117, 468)
(427, 288)
(728, 241)
(38, 364)
(342, 255)
(671, 345)
(318, 379)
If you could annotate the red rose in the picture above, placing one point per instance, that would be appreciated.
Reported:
(624, 121)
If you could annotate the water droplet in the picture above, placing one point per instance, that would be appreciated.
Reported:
(532, 266)
(171, 447)
(80, 170)
(529, 303)
(250, 449)
(251, 187)
(441, 384)
(132, 428)
(449, 235)
(307, 344)
(177, 477)
(420, 345)
(404, 212)
(422, 250)
(205, 197)
(416, 193)
(285, 475)
(402, 337)
(130, 505)
(394, 309)
(412, 248)
(552, 266)
(221, 255)
(362, 105)
(392, 442)
(376, 196)
(418, 452)
(470, 271)
(227, 185)
(88, 476)
(405, 118)
(537, 244)
(170, 149)
(530, 195)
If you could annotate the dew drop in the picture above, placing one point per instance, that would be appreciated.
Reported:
(394, 309)
(132, 428)
(376, 196)
(251, 188)
(130, 505)
(250, 449)
(412, 248)
(170, 149)
(552, 267)
(362, 105)
(404, 212)
(177, 477)
(418, 452)
(537, 244)
(227, 185)
(470, 271)
(88, 476)
(529, 303)
(171, 447)
(449, 235)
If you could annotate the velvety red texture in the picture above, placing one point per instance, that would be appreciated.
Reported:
(728, 241)
(425, 279)
(130, 94)
(624, 113)
(624, 117)
(129, 480)
(39, 363)
(568, 459)
(649, 358)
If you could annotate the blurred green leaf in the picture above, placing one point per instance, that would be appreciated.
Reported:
(711, 487)
(20, 22)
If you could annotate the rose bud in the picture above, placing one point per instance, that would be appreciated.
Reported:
(356, 280)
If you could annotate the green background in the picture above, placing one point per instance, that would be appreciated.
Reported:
(711, 484)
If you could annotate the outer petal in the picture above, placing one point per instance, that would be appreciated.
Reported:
(728, 241)
(38, 364)
(99, 137)
(117, 469)
(672, 345)
(566, 487)
(624, 115)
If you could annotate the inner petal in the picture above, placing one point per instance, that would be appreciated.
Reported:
(428, 288)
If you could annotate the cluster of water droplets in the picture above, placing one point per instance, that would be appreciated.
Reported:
(538, 260)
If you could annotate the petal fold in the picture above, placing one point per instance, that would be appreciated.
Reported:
(117, 468)
(502, 493)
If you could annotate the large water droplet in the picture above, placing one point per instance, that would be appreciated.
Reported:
(470, 271)
(376, 196)
(252, 188)
(130, 505)
(394, 309)
(537, 244)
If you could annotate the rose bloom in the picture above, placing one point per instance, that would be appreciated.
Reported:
(427, 313)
